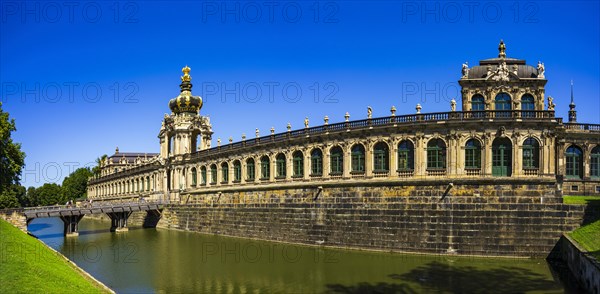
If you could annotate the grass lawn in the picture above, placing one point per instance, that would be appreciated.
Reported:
(28, 266)
(588, 237)
(573, 199)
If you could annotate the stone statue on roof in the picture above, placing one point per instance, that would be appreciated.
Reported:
(540, 70)
(465, 70)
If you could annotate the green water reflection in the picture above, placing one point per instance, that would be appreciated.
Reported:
(164, 261)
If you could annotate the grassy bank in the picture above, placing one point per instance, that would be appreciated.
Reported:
(28, 266)
(588, 237)
(574, 199)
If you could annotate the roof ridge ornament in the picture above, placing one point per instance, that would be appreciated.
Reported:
(502, 49)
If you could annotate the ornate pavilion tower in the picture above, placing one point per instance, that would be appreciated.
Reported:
(502, 83)
(183, 132)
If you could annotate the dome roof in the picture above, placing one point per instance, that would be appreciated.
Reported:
(186, 102)
(523, 71)
(492, 65)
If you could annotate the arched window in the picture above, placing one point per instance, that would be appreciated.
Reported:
(477, 103)
(337, 160)
(203, 176)
(358, 159)
(171, 146)
(147, 183)
(473, 154)
(250, 170)
(574, 157)
(237, 171)
(406, 156)
(503, 105)
(280, 164)
(436, 154)
(531, 154)
(224, 173)
(194, 177)
(298, 164)
(213, 174)
(527, 105)
(381, 162)
(265, 168)
(595, 162)
(316, 162)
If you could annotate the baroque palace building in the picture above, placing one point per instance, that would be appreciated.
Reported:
(507, 129)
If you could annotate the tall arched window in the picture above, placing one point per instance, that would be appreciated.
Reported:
(337, 160)
(147, 183)
(316, 162)
(477, 103)
(298, 164)
(237, 171)
(381, 157)
(265, 168)
(250, 170)
(436, 154)
(224, 173)
(358, 159)
(473, 154)
(503, 105)
(406, 156)
(531, 154)
(280, 164)
(527, 105)
(213, 174)
(574, 157)
(171, 146)
(203, 176)
(194, 177)
(595, 162)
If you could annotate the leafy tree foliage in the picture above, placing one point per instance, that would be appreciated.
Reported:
(48, 194)
(12, 196)
(31, 196)
(99, 160)
(75, 185)
(12, 159)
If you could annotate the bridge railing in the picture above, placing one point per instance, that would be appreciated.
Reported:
(93, 205)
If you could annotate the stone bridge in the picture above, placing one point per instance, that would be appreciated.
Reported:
(71, 215)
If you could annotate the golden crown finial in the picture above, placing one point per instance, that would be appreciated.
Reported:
(502, 49)
(186, 74)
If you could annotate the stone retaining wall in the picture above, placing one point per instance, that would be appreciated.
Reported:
(490, 220)
(15, 217)
(584, 267)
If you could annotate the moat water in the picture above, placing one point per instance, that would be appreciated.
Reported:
(166, 261)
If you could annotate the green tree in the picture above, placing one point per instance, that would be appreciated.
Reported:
(50, 194)
(13, 196)
(32, 197)
(75, 185)
(99, 160)
(8, 199)
(12, 159)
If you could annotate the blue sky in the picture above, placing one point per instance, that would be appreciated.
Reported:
(83, 78)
